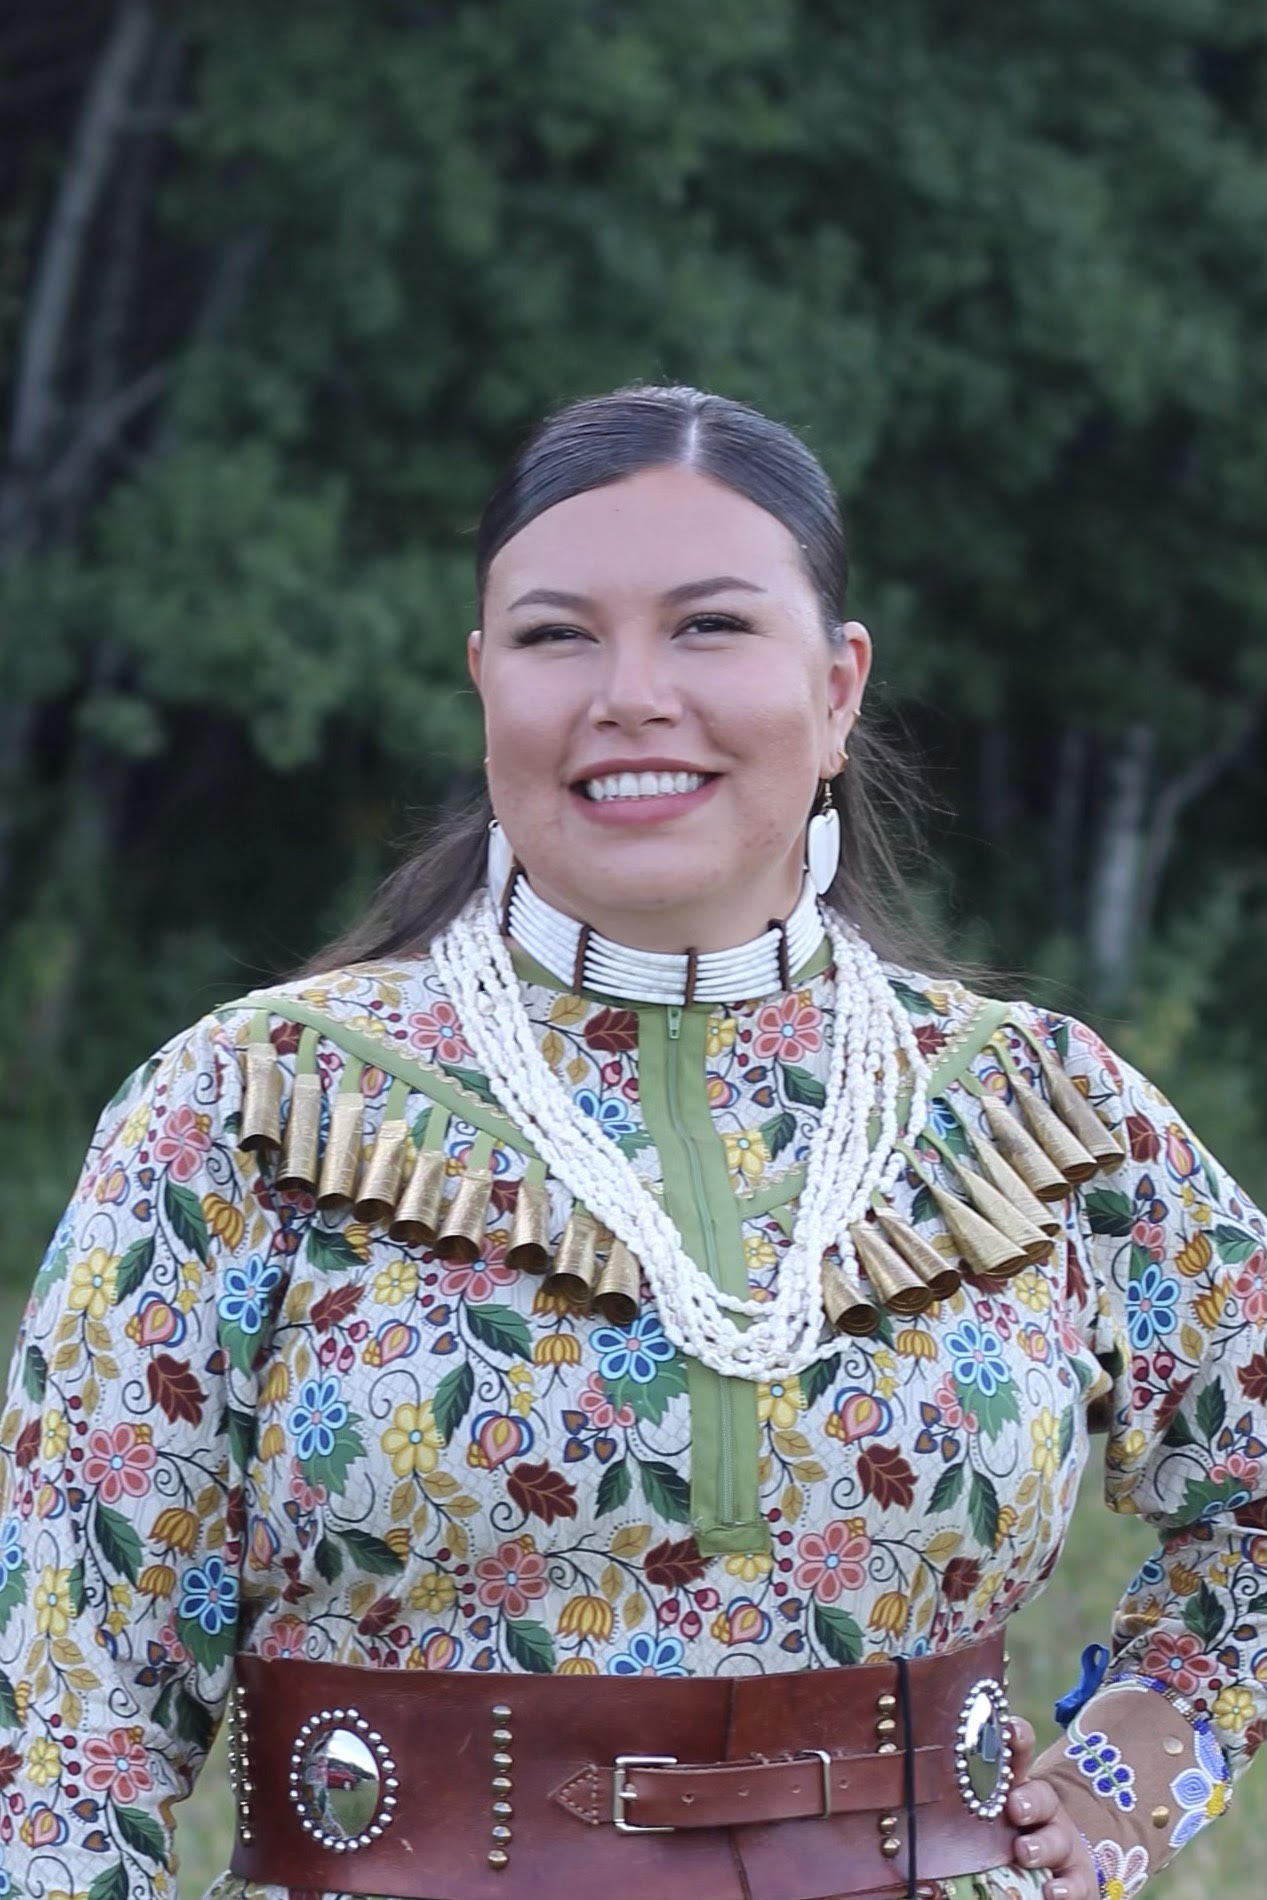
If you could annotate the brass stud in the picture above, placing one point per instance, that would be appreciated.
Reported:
(1160, 1816)
(502, 1760)
(887, 1748)
(502, 1784)
(502, 1736)
(503, 1810)
(499, 1858)
(500, 1711)
(1172, 1745)
(887, 1725)
(501, 1833)
(890, 1846)
(887, 1823)
(886, 1703)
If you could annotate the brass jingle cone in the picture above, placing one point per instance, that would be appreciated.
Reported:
(999, 1211)
(1002, 1175)
(1076, 1112)
(895, 1284)
(1017, 1146)
(261, 1126)
(417, 1215)
(940, 1276)
(984, 1248)
(461, 1235)
(1047, 1128)
(528, 1249)
(616, 1294)
(844, 1302)
(342, 1159)
(301, 1150)
(574, 1274)
(381, 1183)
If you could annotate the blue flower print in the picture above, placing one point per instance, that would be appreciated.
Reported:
(1150, 1305)
(649, 1655)
(634, 1351)
(976, 1358)
(1101, 1762)
(318, 1414)
(245, 1299)
(1202, 1792)
(10, 1548)
(612, 1115)
(210, 1597)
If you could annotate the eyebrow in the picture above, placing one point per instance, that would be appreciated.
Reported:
(688, 590)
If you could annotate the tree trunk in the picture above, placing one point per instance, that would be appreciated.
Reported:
(1114, 900)
(1066, 822)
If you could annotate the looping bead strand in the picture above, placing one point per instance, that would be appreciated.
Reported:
(872, 1043)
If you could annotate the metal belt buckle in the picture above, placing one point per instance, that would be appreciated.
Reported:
(824, 1759)
(621, 1792)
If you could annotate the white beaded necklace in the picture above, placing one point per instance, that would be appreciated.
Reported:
(872, 1044)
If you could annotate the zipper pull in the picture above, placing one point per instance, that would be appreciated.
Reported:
(673, 1016)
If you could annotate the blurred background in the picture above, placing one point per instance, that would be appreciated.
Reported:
(281, 287)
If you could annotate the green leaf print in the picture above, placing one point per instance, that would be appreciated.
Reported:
(331, 1468)
(185, 1215)
(111, 1884)
(52, 1270)
(992, 1409)
(1066, 1434)
(1203, 1615)
(613, 1488)
(983, 1509)
(649, 1398)
(529, 1644)
(912, 1002)
(816, 1378)
(923, 1207)
(141, 1832)
(1109, 1211)
(1179, 1432)
(947, 1488)
(183, 1715)
(1233, 1245)
(778, 1131)
(119, 1541)
(331, 1250)
(634, 1141)
(9, 1717)
(666, 1490)
(1211, 1411)
(469, 1079)
(838, 1633)
(12, 1592)
(501, 1329)
(801, 1086)
(371, 1554)
(242, 1429)
(76, 1587)
(452, 1400)
(35, 1374)
(134, 1267)
(328, 1558)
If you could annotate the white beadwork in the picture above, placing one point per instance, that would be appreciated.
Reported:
(872, 1044)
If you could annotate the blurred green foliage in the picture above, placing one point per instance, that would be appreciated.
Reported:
(274, 318)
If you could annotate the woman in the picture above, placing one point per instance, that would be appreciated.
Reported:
(603, 1267)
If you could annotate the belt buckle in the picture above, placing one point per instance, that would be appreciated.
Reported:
(621, 1793)
(825, 1762)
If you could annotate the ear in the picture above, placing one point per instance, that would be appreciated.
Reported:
(846, 682)
(474, 653)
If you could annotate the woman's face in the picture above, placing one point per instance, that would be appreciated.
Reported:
(660, 703)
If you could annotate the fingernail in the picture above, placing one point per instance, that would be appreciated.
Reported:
(1030, 1850)
(1059, 1890)
(1023, 1806)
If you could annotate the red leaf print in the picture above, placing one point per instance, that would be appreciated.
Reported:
(174, 1388)
(285, 1037)
(503, 1196)
(614, 1031)
(962, 1576)
(1253, 1377)
(380, 1616)
(10, 1762)
(929, 1040)
(27, 1449)
(1253, 1515)
(674, 1564)
(333, 1307)
(541, 1492)
(296, 1589)
(885, 1475)
(1145, 1142)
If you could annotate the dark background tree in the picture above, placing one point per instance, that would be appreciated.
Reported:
(280, 287)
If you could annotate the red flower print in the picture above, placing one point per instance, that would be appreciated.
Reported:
(438, 1032)
(512, 1579)
(1236, 1469)
(182, 1142)
(477, 1280)
(286, 1640)
(831, 1562)
(1178, 1660)
(1251, 1289)
(598, 1408)
(119, 1463)
(116, 1765)
(1152, 1238)
(787, 1031)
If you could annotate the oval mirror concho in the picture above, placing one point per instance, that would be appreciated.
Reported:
(983, 1749)
(342, 1780)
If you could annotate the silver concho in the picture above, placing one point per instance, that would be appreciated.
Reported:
(983, 1749)
(342, 1780)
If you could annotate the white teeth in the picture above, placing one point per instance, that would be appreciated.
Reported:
(642, 785)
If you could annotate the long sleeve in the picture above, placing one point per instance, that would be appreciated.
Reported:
(1167, 1277)
(121, 1451)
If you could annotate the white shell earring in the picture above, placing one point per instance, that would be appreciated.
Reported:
(822, 840)
(501, 862)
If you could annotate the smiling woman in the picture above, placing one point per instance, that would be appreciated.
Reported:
(585, 1375)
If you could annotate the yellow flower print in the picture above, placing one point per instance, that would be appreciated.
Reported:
(54, 1437)
(590, 1616)
(758, 1253)
(749, 1565)
(43, 1760)
(779, 1402)
(746, 1154)
(1032, 1290)
(720, 1035)
(398, 1281)
(92, 1284)
(134, 1128)
(412, 1441)
(435, 1593)
(1044, 1431)
(557, 1349)
(890, 1612)
(52, 1602)
(1233, 1709)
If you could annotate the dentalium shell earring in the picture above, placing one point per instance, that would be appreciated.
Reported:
(822, 839)
(501, 860)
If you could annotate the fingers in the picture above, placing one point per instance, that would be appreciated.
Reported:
(1022, 1746)
(1032, 1803)
(1049, 1846)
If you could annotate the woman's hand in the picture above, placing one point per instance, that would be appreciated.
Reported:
(1049, 1838)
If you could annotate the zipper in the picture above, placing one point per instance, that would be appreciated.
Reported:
(726, 1472)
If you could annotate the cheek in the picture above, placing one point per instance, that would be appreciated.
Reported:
(526, 725)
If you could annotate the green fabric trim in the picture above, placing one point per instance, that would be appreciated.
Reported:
(528, 970)
(481, 1154)
(259, 1026)
(700, 1200)
(460, 1102)
(306, 1056)
(351, 1079)
(397, 1096)
(434, 1124)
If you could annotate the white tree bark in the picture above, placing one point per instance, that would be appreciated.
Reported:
(1114, 900)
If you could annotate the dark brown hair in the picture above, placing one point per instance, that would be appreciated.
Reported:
(604, 440)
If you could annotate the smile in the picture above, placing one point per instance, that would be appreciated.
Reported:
(630, 785)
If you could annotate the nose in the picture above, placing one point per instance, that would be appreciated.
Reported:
(635, 686)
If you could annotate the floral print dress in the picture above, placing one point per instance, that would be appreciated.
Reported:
(236, 1421)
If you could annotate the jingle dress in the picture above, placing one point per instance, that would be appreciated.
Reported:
(236, 1420)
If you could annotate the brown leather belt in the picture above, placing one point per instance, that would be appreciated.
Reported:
(827, 1784)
